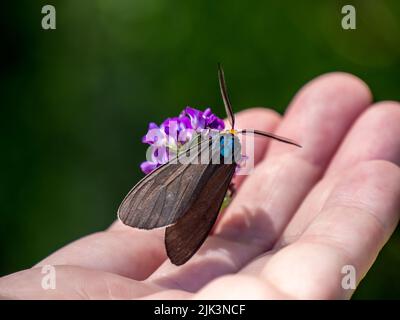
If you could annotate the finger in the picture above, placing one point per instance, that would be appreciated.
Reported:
(121, 250)
(326, 105)
(68, 282)
(238, 287)
(132, 252)
(357, 219)
(268, 198)
(168, 295)
(373, 137)
(318, 118)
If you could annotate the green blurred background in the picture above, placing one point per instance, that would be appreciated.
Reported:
(76, 101)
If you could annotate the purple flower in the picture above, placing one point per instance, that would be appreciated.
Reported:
(148, 166)
(157, 156)
(203, 120)
(167, 139)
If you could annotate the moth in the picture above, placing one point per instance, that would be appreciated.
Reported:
(186, 196)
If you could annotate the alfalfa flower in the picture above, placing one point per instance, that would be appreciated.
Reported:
(174, 133)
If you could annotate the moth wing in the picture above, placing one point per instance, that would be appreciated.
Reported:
(184, 238)
(164, 195)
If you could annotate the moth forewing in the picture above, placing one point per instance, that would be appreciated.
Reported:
(164, 195)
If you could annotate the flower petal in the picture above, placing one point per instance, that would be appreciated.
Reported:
(148, 166)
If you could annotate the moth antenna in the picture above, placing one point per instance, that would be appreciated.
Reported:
(225, 98)
(271, 135)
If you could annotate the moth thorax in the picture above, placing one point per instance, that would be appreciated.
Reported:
(230, 148)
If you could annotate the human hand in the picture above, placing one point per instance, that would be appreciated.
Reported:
(295, 222)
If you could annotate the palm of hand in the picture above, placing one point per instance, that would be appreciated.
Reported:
(295, 223)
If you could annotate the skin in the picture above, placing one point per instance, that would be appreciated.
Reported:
(295, 222)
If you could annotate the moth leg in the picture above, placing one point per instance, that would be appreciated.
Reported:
(231, 190)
